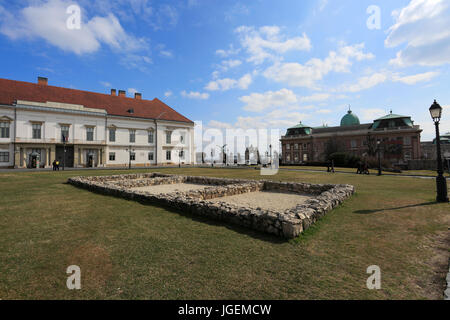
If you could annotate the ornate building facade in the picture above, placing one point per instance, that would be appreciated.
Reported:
(40, 123)
(398, 137)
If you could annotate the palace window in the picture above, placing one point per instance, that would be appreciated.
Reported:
(4, 129)
(112, 156)
(181, 154)
(64, 133)
(36, 127)
(407, 141)
(296, 146)
(168, 155)
(90, 134)
(4, 156)
(182, 139)
(150, 137)
(288, 146)
(112, 135)
(407, 155)
(353, 143)
(168, 138)
(132, 136)
(132, 156)
(150, 156)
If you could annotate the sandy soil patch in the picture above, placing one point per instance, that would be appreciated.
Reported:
(267, 200)
(169, 188)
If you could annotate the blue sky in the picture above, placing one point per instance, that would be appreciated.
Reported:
(246, 64)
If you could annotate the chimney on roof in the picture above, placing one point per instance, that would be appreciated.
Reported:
(43, 81)
(122, 93)
(138, 95)
(113, 92)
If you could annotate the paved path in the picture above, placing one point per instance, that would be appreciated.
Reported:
(209, 167)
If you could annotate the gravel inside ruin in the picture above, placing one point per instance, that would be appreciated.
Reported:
(266, 200)
(169, 188)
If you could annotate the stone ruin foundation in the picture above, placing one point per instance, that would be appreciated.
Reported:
(284, 209)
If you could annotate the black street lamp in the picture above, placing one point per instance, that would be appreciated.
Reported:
(441, 183)
(270, 153)
(379, 157)
(64, 155)
(212, 160)
(180, 154)
(224, 156)
(130, 151)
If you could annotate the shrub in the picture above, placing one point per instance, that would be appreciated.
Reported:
(342, 159)
(372, 162)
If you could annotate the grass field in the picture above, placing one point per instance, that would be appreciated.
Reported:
(428, 173)
(127, 250)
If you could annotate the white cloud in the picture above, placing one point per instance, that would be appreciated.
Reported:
(228, 64)
(265, 42)
(168, 93)
(372, 114)
(132, 91)
(245, 81)
(377, 78)
(316, 97)
(277, 119)
(47, 20)
(257, 102)
(227, 83)
(195, 95)
(166, 53)
(322, 4)
(161, 48)
(424, 27)
(136, 61)
(226, 53)
(215, 74)
(106, 84)
(365, 83)
(219, 124)
(307, 75)
(420, 77)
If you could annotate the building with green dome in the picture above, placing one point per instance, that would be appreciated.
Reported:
(398, 137)
(349, 119)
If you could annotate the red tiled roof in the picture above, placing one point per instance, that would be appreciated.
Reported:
(11, 91)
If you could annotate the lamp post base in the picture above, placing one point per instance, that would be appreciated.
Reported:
(441, 185)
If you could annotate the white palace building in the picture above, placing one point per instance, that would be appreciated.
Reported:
(39, 123)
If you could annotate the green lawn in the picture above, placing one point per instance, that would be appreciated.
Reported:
(127, 250)
(428, 173)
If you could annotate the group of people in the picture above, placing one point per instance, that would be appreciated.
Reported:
(55, 165)
(363, 168)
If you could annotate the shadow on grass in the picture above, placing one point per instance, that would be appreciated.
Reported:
(396, 208)
(259, 235)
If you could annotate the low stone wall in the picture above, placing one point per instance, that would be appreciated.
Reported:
(447, 279)
(288, 224)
